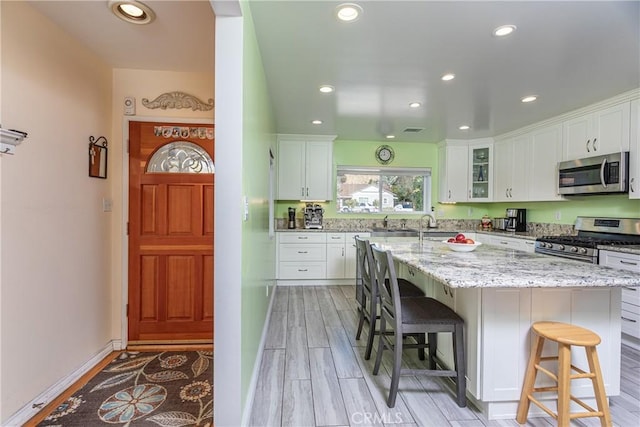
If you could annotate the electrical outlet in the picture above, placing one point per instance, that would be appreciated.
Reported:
(470, 212)
(558, 215)
(267, 289)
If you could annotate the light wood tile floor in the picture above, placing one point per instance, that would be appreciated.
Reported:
(313, 373)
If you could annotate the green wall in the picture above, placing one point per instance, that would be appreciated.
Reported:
(258, 249)
(411, 154)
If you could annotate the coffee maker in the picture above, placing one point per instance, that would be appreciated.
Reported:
(292, 218)
(313, 216)
(516, 219)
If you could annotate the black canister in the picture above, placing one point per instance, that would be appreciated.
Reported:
(292, 218)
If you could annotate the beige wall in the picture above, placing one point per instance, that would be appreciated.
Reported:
(55, 276)
(142, 84)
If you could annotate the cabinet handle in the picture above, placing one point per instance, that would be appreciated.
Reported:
(588, 141)
(446, 291)
(629, 288)
(593, 144)
(302, 191)
(307, 191)
(469, 193)
(631, 185)
(342, 251)
(335, 238)
(628, 320)
(449, 193)
(302, 237)
(511, 192)
(506, 192)
(628, 262)
(303, 269)
(504, 243)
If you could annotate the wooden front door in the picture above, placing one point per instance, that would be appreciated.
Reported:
(171, 185)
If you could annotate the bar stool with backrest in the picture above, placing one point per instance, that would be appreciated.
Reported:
(566, 336)
(416, 315)
(370, 297)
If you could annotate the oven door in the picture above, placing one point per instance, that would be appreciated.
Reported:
(594, 175)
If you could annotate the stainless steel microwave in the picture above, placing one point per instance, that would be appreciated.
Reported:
(595, 175)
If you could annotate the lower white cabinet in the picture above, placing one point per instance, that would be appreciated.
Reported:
(630, 313)
(316, 255)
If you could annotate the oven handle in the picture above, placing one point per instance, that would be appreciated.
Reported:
(602, 166)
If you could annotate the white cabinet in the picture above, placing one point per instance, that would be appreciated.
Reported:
(453, 165)
(466, 170)
(630, 313)
(305, 167)
(316, 255)
(545, 151)
(336, 256)
(480, 171)
(302, 255)
(601, 132)
(511, 169)
(634, 151)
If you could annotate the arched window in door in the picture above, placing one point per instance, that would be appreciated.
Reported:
(180, 157)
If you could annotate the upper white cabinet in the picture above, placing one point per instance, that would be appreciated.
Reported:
(511, 169)
(305, 167)
(545, 151)
(454, 167)
(600, 132)
(466, 170)
(634, 151)
(480, 171)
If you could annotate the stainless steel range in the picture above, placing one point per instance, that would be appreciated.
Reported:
(592, 232)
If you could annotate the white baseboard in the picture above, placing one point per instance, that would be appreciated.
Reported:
(316, 282)
(29, 410)
(251, 392)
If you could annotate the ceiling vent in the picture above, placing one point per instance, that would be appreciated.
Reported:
(413, 130)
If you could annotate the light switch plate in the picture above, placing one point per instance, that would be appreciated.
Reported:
(245, 202)
(107, 204)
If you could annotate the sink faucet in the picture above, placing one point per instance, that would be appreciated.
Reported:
(385, 222)
(430, 224)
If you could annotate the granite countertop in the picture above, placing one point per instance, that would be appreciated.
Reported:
(631, 249)
(494, 267)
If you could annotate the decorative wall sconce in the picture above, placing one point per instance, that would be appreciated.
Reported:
(98, 157)
(9, 138)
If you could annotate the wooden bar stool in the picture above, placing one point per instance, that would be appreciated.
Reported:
(566, 336)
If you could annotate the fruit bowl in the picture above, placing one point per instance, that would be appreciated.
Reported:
(462, 247)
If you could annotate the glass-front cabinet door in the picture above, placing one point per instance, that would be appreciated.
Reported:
(481, 160)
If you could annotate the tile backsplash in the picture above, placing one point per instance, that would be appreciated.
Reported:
(365, 224)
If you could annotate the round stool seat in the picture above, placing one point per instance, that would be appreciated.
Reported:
(566, 334)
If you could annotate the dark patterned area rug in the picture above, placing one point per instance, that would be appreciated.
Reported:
(171, 389)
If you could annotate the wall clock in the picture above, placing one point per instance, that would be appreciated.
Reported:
(384, 154)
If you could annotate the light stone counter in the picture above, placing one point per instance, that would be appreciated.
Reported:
(493, 267)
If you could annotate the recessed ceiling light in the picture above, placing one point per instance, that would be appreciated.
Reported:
(316, 122)
(348, 12)
(448, 76)
(132, 11)
(504, 30)
(415, 105)
(464, 127)
(326, 88)
(529, 98)
(390, 136)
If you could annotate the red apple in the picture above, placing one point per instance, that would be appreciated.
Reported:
(451, 240)
(460, 237)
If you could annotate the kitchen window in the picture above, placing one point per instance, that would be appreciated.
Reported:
(401, 190)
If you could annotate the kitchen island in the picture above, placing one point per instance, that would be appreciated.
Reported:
(500, 293)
